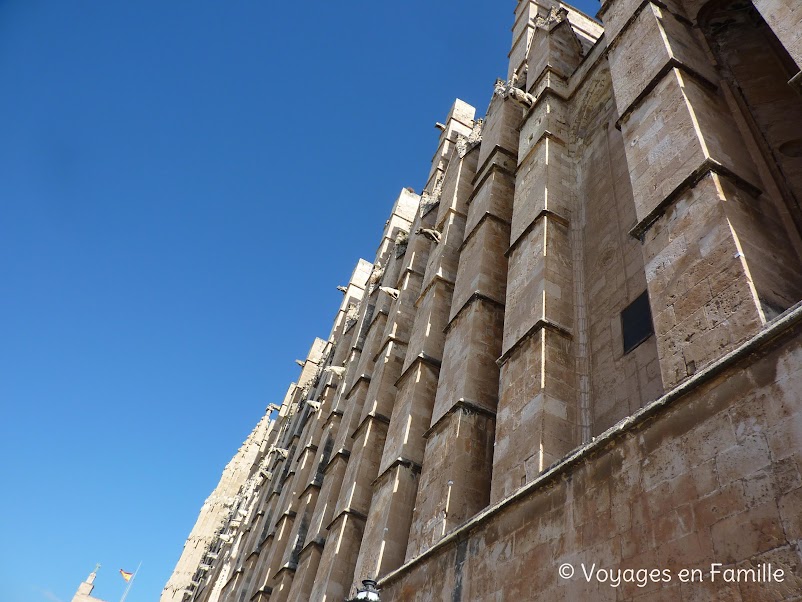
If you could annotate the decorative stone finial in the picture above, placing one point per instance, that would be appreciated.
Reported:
(401, 241)
(555, 15)
(376, 275)
(431, 198)
(466, 143)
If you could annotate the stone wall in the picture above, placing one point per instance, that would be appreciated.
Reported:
(475, 420)
(710, 473)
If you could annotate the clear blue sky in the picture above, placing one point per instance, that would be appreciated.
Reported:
(182, 186)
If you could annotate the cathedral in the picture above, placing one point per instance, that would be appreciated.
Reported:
(573, 370)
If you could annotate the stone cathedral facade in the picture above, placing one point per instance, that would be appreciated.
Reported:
(580, 345)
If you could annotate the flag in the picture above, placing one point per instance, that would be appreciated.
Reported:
(126, 575)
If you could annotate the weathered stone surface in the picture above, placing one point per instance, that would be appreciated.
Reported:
(661, 494)
(474, 420)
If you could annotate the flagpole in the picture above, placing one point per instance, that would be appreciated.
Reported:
(130, 583)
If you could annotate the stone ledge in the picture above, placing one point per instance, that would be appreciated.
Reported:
(437, 278)
(421, 358)
(667, 68)
(452, 210)
(290, 566)
(635, 14)
(285, 514)
(262, 591)
(233, 577)
(541, 324)
(310, 485)
(371, 417)
(386, 342)
(460, 404)
(544, 73)
(317, 542)
(375, 317)
(264, 541)
(308, 446)
(400, 461)
(347, 512)
(332, 413)
(544, 213)
(489, 165)
(546, 135)
(476, 296)
(362, 377)
(341, 453)
(486, 216)
(796, 82)
(485, 175)
(708, 167)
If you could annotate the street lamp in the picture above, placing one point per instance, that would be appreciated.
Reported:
(367, 592)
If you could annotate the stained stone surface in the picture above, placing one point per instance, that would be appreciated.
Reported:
(473, 421)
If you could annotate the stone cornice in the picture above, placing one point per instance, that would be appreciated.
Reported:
(544, 213)
(461, 404)
(541, 324)
(708, 167)
(488, 164)
(476, 296)
(401, 461)
(486, 216)
(340, 454)
(421, 358)
(347, 512)
(370, 417)
(667, 68)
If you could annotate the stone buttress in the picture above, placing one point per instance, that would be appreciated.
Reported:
(440, 230)
(580, 342)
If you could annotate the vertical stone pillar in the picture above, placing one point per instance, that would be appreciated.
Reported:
(333, 472)
(370, 436)
(256, 527)
(442, 228)
(455, 479)
(295, 562)
(259, 589)
(230, 578)
(283, 501)
(706, 227)
(420, 251)
(283, 559)
(362, 428)
(308, 550)
(280, 517)
(278, 543)
(525, 15)
(278, 582)
(536, 422)
(317, 442)
(245, 518)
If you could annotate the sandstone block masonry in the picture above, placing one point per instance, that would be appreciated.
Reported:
(580, 345)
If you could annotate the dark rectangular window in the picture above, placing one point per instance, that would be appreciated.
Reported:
(636, 322)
